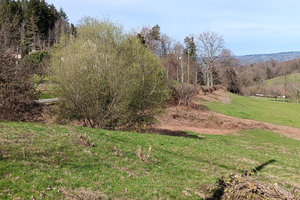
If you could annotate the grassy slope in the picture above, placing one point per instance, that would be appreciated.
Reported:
(292, 78)
(286, 114)
(40, 159)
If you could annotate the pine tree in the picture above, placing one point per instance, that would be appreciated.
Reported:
(28, 24)
(215, 76)
(232, 80)
(190, 47)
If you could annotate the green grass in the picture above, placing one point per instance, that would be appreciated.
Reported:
(46, 96)
(291, 78)
(44, 86)
(43, 160)
(281, 113)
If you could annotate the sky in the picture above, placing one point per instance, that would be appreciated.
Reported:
(247, 26)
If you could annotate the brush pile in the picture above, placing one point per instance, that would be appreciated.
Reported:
(243, 187)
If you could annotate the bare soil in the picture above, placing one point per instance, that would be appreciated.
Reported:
(199, 119)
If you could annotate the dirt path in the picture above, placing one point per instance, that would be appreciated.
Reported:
(199, 119)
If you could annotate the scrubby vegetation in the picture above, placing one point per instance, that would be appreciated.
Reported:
(17, 93)
(108, 79)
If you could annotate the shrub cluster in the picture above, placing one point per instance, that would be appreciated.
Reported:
(184, 93)
(108, 79)
(17, 93)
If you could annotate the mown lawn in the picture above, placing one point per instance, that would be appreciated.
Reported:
(261, 109)
(52, 162)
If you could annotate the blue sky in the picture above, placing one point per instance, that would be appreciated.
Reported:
(248, 26)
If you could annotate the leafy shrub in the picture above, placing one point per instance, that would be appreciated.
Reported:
(37, 61)
(108, 79)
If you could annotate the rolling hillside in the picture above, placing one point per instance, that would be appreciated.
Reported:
(256, 58)
(291, 78)
(62, 162)
(260, 109)
(43, 161)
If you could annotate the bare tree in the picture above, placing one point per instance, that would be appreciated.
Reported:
(178, 51)
(210, 46)
(226, 59)
(166, 44)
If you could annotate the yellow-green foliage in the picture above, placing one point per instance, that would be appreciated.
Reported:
(106, 78)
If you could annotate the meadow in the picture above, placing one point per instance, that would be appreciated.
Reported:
(55, 162)
(280, 80)
(260, 109)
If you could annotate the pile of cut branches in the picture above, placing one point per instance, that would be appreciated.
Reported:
(243, 187)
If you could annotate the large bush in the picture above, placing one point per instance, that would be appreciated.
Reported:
(108, 79)
(17, 93)
(38, 61)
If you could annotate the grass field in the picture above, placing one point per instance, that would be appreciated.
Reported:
(54, 162)
(281, 113)
(291, 78)
(46, 96)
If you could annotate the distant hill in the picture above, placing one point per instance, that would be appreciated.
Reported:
(256, 58)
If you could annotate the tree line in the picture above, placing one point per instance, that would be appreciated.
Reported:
(252, 78)
(105, 77)
(201, 60)
(31, 25)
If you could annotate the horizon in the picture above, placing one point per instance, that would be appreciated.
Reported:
(268, 53)
(248, 28)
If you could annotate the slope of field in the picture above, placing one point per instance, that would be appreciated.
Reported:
(291, 78)
(281, 113)
(61, 162)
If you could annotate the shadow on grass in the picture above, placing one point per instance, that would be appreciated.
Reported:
(174, 133)
(260, 167)
(219, 191)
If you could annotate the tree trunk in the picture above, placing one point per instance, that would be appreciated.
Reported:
(177, 73)
(207, 78)
(188, 68)
(196, 76)
(182, 78)
(211, 79)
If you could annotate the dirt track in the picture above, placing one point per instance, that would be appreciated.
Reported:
(200, 120)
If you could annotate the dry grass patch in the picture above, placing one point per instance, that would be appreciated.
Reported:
(82, 194)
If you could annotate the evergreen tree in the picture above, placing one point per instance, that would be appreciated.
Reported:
(11, 17)
(215, 76)
(155, 33)
(190, 47)
(28, 24)
(269, 73)
(232, 80)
